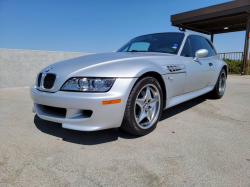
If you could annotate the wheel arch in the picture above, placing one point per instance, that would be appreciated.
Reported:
(225, 68)
(160, 79)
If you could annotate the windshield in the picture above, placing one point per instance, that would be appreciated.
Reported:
(162, 43)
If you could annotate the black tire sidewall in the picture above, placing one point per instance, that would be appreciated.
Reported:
(216, 89)
(138, 87)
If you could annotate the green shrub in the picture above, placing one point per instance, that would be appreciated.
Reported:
(234, 66)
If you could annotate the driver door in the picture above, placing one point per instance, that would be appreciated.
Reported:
(198, 73)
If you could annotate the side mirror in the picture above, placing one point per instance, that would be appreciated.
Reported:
(200, 53)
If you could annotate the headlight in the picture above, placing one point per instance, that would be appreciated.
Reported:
(88, 84)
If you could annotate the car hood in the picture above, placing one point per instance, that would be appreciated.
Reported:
(83, 62)
(116, 64)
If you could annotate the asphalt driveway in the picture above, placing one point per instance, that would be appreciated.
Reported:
(202, 142)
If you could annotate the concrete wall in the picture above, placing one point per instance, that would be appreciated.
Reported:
(20, 67)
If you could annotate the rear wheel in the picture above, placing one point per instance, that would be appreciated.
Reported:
(144, 107)
(220, 86)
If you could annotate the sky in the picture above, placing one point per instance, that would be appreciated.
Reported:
(95, 26)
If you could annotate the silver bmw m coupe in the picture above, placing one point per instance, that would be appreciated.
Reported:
(129, 88)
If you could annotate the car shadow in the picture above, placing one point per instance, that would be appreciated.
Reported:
(183, 106)
(81, 137)
(104, 136)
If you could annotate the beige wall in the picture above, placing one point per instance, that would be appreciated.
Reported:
(20, 67)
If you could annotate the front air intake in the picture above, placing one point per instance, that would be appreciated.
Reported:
(39, 79)
(49, 80)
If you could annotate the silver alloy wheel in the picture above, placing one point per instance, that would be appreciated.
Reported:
(147, 107)
(222, 83)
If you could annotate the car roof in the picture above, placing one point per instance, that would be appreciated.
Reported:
(184, 32)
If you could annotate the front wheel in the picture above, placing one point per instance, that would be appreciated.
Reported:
(144, 107)
(220, 86)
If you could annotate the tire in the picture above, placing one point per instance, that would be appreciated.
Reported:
(219, 88)
(144, 107)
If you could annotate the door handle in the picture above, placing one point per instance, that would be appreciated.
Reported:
(210, 64)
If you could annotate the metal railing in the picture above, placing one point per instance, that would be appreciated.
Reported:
(234, 62)
(232, 55)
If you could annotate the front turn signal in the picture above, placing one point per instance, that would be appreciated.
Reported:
(111, 102)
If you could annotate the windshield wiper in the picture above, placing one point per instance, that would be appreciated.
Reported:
(136, 51)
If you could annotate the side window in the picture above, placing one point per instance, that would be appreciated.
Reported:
(139, 46)
(196, 43)
(186, 51)
(209, 47)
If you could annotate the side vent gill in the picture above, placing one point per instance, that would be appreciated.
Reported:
(174, 68)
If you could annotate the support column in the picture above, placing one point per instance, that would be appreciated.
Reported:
(212, 37)
(244, 62)
(248, 64)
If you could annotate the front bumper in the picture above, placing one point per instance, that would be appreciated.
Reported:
(103, 116)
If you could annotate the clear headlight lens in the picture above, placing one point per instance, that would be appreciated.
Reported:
(88, 84)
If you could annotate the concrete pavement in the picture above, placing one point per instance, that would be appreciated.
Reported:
(202, 142)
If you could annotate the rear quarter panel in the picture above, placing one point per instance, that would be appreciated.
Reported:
(218, 64)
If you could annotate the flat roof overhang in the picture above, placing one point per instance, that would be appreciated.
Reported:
(214, 19)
